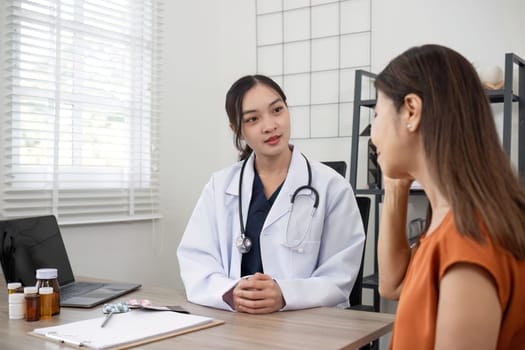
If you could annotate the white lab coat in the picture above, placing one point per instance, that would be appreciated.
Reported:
(320, 272)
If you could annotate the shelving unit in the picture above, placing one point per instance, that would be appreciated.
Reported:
(507, 96)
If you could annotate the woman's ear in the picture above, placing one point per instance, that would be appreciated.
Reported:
(413, 105)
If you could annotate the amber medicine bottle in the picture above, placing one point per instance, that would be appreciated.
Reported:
(48, 278)
(32, 301)
(46, 302)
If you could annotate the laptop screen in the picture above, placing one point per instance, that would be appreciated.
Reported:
(29, 244)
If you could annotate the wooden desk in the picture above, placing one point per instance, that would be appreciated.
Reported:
(319, 328)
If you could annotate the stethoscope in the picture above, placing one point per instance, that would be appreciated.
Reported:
(244, 243)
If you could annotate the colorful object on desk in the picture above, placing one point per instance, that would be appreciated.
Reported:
(138, 303)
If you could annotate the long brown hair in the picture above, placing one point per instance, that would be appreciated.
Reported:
(234, 98)
(461, 142)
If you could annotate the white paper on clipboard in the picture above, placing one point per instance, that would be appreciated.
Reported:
(136, 326)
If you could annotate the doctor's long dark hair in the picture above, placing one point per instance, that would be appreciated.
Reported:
(234, 99)
(461, 143)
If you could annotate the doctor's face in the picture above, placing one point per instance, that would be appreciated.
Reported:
(265, 121)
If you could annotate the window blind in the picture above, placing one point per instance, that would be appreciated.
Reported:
(81, 125)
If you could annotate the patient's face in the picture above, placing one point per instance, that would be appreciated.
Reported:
(389, 135)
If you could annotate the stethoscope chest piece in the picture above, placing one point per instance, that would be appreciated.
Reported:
(243, 243)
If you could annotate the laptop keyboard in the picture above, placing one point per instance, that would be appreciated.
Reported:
(78, 288)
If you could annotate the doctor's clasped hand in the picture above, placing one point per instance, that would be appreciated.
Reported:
(257, 294)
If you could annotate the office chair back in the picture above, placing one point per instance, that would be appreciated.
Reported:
(338, 165)
(356, 295)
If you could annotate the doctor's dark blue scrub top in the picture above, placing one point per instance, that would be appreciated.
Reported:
(257, 213)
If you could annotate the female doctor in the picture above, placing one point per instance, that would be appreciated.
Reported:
(275, 231)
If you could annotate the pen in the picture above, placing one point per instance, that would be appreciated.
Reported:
(106, 319)
(54, 336)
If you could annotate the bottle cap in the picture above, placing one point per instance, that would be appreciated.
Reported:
(45, 290)
(30, 290)
(16, 298)
(46, 274)
(14, 285)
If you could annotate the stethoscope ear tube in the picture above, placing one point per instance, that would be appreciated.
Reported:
(307, 187)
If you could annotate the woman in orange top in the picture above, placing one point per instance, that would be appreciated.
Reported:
(463, 285)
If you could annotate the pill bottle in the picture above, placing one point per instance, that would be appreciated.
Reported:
(46, 302)
(14, 287)
(32, 300)
(48, 278)
(16, 306)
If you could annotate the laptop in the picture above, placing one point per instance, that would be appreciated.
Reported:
(28, 244)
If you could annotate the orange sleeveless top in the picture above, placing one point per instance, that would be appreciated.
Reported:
(415, 322)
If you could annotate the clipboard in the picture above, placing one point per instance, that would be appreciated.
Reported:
(125, 330)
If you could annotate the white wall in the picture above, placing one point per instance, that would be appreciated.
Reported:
(483, 31)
